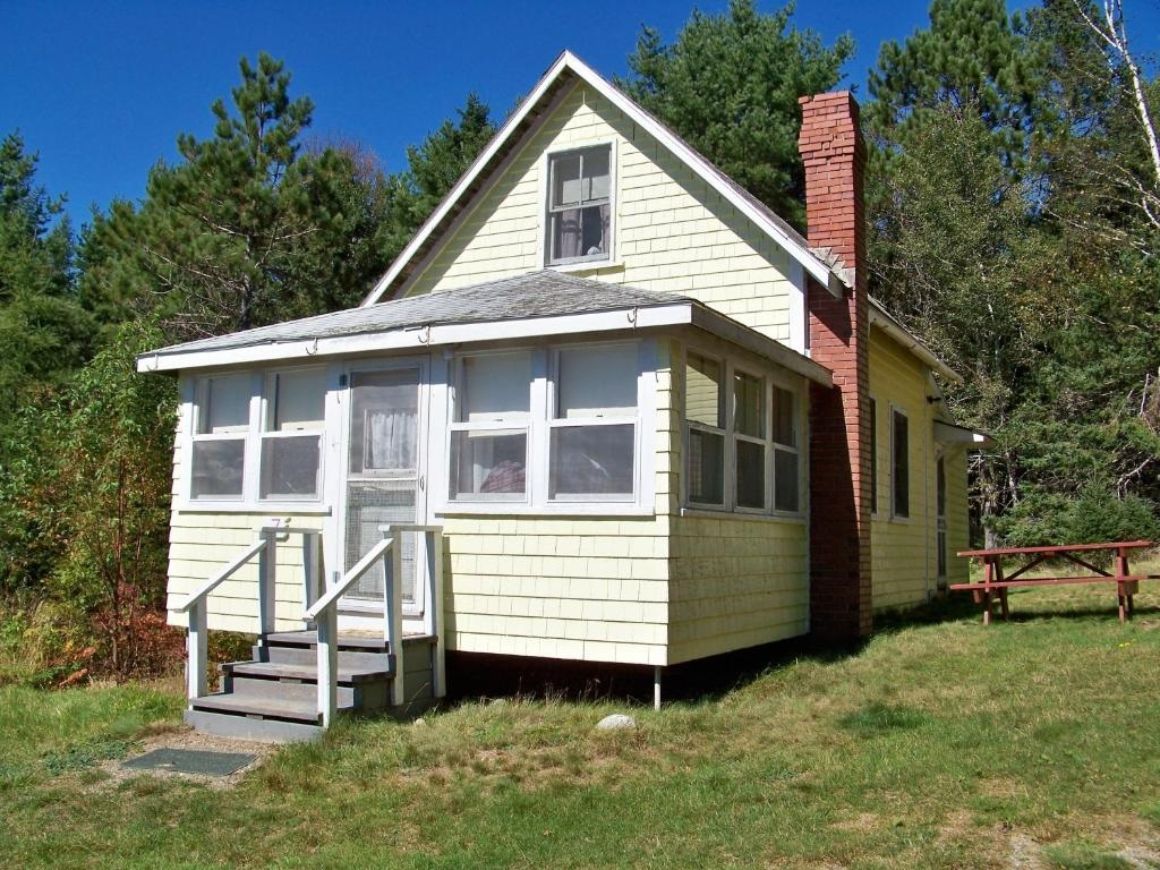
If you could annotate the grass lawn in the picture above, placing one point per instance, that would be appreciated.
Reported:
(1032, 743)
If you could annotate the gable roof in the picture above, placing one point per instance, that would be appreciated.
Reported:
(532, 305)
(819, 263)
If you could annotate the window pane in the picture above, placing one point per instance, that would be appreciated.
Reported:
(566, 180)
(297, 401)
(384, 422)
(596, 178)
(784, 417)
(703, 391)
(592, 460)
(749, 405)
(290, 467)
(225, 405)
(597, 382)
(217, 468)
(495, 387)
(785, 480)
(706, 467)
(579, 232)
(901, 466)
(488, 464)
(750, 474)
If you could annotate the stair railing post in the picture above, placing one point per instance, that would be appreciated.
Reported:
(197, 648)
(434, 611)
(327, 626)
(312, 567)
(393, 609)
(267, 560)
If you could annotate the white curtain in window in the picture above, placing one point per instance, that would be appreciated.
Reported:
(391, 442)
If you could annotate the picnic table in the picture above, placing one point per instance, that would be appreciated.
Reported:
(995, 582)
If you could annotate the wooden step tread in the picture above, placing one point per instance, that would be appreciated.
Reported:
(304, 672)
(345, 641)
(266, 708)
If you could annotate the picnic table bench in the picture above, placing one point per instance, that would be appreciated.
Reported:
(995, 583)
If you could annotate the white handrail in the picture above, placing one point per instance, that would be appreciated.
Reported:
(338, 590)
(225, 574)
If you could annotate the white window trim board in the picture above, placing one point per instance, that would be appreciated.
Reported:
(544, 168)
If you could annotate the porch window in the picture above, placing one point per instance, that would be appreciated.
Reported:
(592, 451)
(705, 419)
(749, 439)
(489, 438)
(579, 205)
(900, 472)
(292, 435)
(221, 423)
(786, 451)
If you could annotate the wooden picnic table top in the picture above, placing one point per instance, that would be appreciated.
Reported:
(1044, 551)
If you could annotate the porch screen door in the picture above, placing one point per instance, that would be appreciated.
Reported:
(382, 484)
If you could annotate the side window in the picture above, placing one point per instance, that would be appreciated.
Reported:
(592, 453)
(749, 444)
(705, 421)
(900, 477)
(873, 456)
(489, 437)
(579, 207)
(291, 457)
(221, 423)
(786, 451)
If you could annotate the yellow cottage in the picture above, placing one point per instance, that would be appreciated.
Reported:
(605, 407)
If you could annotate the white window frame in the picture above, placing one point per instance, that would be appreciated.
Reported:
(797, 449)
(894, 515)
(554, 423)
(192, 390)
(494, 426)
(770, 380)
(540, 425)
(268, 397)
(724, 402)
(594, 261)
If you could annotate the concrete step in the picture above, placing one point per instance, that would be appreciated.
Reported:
(245, 728)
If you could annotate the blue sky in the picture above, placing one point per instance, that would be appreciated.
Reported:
(101, 90)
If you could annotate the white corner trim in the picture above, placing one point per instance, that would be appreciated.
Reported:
(824, 274)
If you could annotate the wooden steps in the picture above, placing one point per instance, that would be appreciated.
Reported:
(274, 697)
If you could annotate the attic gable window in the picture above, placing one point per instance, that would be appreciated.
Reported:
(579, 206)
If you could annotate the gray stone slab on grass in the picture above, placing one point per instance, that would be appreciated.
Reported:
(193, 761)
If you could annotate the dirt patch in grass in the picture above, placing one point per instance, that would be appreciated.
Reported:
(112, 773)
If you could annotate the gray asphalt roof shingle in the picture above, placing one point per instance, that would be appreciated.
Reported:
(535, 294)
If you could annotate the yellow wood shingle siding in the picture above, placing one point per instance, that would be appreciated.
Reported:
(588, 589)
(201, 544)
(672, 232)
(735, 580)
(904, 553)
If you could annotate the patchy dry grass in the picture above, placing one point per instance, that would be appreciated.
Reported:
(939, 744)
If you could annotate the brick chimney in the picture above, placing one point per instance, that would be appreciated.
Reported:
(840, 582)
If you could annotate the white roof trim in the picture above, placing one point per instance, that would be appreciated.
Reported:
(684, 313)
(949, 433)
(824, 274)
(881, 318)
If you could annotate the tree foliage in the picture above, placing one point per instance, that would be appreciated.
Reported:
(730, 84)
(1001, 231)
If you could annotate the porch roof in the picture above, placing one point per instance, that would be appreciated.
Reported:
(535, 304)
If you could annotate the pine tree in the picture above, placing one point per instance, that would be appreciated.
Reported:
(729, 85)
